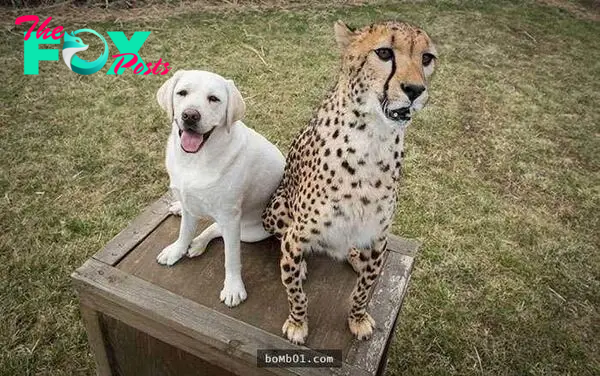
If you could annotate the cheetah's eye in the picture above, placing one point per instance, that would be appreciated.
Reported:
(384, 54)
(183, 93)
(427, 59)
(213, 99)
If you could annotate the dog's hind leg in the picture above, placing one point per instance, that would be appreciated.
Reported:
(201, 241)
(249, 233)
(253, 231)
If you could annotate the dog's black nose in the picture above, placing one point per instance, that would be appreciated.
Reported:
(412, 91)
(190, 116)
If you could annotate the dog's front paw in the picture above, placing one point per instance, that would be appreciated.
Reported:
(233, 293)
(171, 254)
(296, 332)
(362, 328)
(175, 208)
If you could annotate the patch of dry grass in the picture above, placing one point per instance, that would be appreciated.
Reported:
(502, 178)
(157, 10)
(586, 9)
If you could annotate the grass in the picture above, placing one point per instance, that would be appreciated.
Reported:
(501, 182)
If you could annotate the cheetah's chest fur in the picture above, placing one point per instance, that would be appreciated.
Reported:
(355, 169)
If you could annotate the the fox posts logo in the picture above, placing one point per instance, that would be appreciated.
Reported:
(128, 56)
(73, 44)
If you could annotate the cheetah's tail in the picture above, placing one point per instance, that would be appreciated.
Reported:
(276, 217)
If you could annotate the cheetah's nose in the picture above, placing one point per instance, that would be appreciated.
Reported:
(412, 91)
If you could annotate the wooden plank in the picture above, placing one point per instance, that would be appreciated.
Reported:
(403, 246)
(135, 232)
(183, 323)
(383, 362)
(96, 340)
(135, 353)
(384, 307)
(164, 333)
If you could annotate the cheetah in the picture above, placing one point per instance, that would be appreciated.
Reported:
(338, 192)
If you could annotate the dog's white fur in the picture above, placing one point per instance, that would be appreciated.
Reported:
(230, 179)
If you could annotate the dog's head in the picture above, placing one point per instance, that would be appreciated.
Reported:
(389, 65)
(197, 102)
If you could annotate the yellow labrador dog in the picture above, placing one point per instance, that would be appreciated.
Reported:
(218, 168)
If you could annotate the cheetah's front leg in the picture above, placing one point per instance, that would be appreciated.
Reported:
(368, 266)
(295, 327)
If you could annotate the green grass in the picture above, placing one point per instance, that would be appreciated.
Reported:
(501, 182)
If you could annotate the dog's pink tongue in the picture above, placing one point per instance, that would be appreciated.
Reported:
(191, 141)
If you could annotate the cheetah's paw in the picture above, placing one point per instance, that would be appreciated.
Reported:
(362, 328)
(294, 331)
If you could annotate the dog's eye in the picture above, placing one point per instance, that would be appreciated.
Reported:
(384, 54)
(427, 59)
(213, 99)
(183, 93)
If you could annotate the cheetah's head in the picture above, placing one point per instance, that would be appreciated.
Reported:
(388, 65)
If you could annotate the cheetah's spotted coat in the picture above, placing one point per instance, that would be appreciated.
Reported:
(338, 192)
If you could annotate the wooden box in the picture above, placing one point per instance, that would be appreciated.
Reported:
(146, 319)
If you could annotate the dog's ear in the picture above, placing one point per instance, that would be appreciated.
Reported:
(236, 108)
(164, 95)
(343, 34)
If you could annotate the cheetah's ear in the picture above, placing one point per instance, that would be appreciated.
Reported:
(343, 34)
